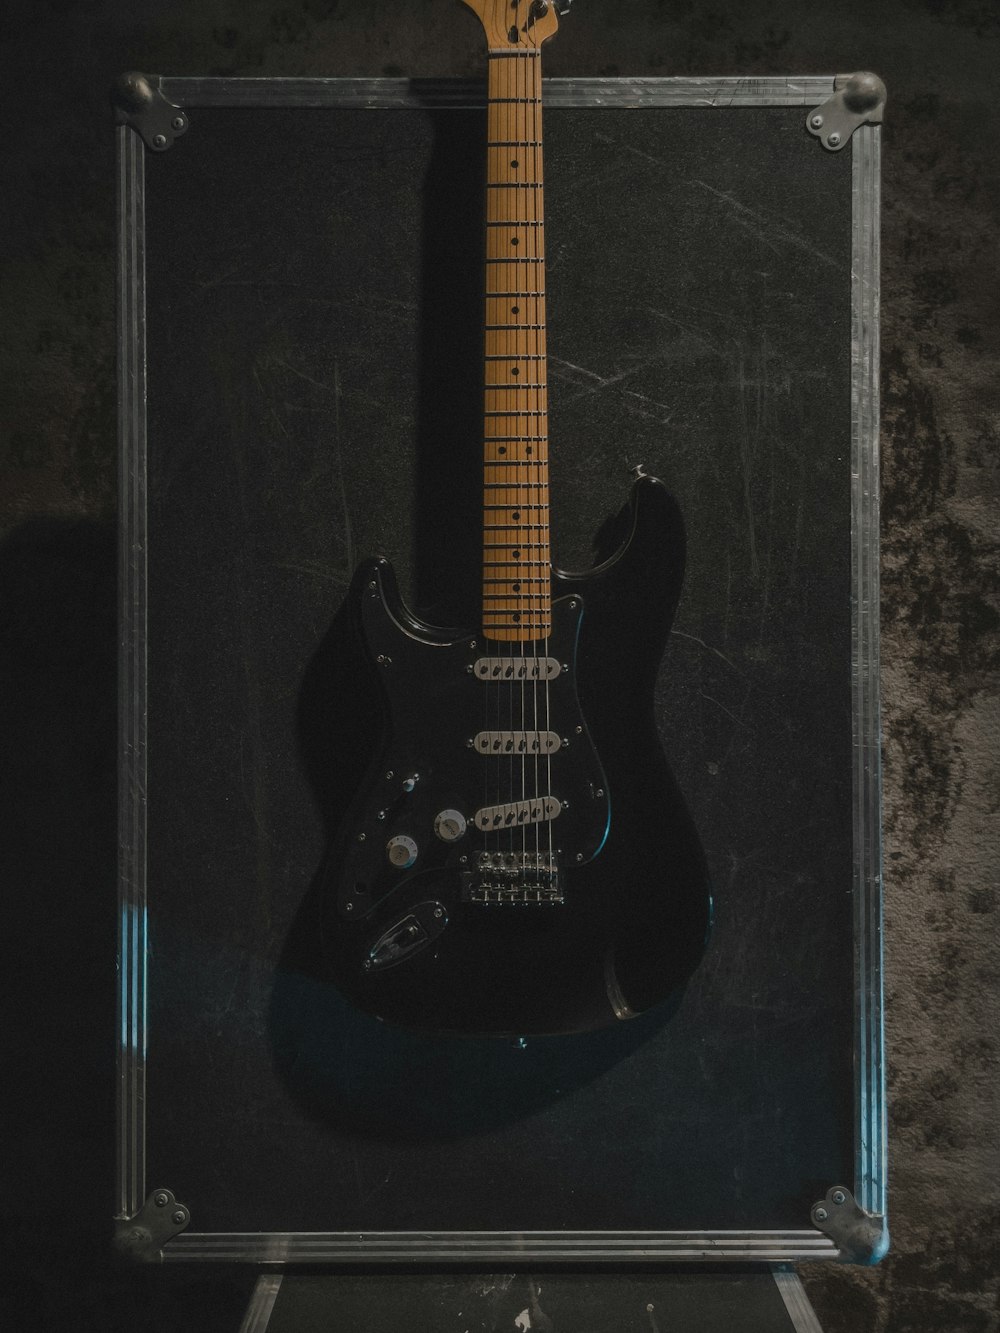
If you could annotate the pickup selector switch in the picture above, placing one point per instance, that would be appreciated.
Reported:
(401, 851)
(449, 825)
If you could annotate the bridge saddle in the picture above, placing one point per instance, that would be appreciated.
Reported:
(513, 877)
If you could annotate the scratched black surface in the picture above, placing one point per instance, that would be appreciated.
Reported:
(314, 354)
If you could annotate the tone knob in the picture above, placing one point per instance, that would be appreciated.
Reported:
(449, 825)
(402, 851)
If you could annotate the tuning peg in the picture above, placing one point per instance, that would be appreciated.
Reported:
(562, 7)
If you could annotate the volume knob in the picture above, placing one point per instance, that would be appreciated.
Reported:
(449, 825)
(401, 851)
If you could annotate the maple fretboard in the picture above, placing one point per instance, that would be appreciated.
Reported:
(516, 554)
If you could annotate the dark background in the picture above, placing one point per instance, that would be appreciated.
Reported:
(940, 576)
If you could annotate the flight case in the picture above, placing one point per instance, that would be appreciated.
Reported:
(300, 279)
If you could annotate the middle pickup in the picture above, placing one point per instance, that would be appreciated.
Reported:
(517, 742)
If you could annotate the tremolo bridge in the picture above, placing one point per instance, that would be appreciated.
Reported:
(513, 877)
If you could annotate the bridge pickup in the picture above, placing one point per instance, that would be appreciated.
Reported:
(517, 814)
(517, 742)
(516, 668)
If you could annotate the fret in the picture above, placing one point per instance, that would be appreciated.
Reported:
(515, 356)
(513, 439)
(512, 185)
(515, 527)
(490, 456)
(537, 579)
(537, 294)
(514, 222)
(511, 388)
(490, 327)
(519, 486)
(513, 55)
(515, 505)
(508, 617)
(515, 412)
(536, 100)
(513, 143)
(536, 259)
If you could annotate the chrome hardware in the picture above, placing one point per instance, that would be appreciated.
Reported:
(139, 103)
(450, 825)
(857, 99)
(143, 1236)
(860, 1236)
(517, 742)
(516, 814)
(410, 782)
(407, 936)
(401, 851)
(513, 877)
(516, 668)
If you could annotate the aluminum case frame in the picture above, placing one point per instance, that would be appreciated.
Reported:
(484, 1247)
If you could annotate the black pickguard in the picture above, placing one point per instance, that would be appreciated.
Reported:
(589, 909)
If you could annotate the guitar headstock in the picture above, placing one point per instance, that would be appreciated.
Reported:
(514, 25)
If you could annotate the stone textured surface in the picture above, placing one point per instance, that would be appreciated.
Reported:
(941, 628)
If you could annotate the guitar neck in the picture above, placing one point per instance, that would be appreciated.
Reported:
(516, 552)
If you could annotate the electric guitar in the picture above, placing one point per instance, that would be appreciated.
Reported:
(519, 859)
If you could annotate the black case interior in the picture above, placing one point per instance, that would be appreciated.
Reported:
(314, 283)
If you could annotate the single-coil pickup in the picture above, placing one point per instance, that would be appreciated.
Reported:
(517, 742)
(516, 668)
(516, 814)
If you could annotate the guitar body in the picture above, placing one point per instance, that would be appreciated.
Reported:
(519, 859)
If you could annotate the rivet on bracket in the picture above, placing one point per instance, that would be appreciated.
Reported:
(861, 1237)
(141, 1238)
(857, 99)
(138, 102)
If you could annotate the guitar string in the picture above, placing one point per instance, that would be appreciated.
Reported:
(532, 213)
(527, 601)
(537, 150)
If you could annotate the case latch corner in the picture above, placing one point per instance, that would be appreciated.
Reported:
(858, 99)
(138, 102)
(141, 1238)
(860, 1236)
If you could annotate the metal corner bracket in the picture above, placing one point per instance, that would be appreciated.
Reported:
(141, 1238)
(857, 99)
(861, 1237)
(138, 102)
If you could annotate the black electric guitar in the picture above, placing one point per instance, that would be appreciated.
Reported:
(518, 858)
